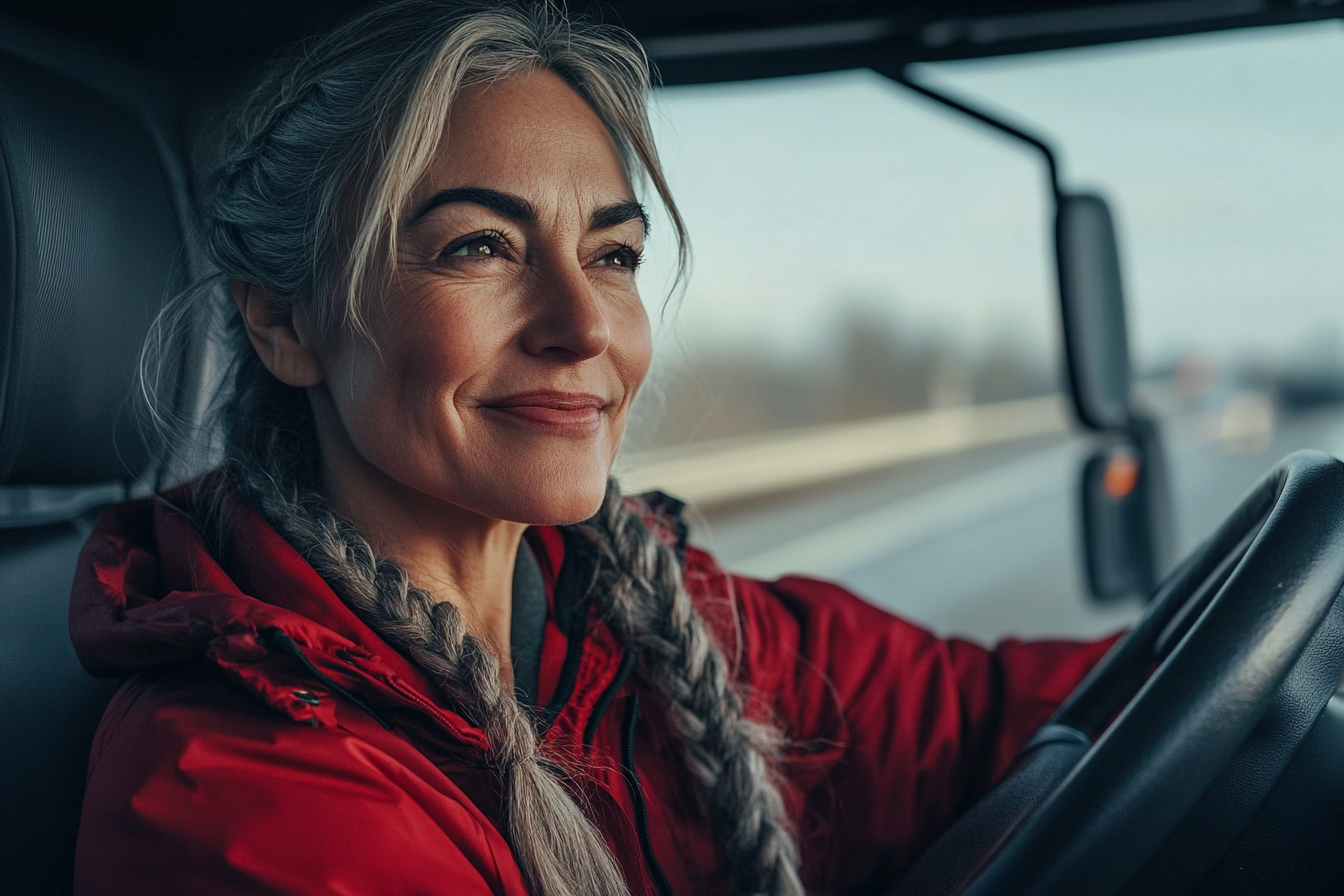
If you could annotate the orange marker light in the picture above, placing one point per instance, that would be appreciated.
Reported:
(1121, 476)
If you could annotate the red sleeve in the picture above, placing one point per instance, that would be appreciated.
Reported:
(196, 788)
(893, 731)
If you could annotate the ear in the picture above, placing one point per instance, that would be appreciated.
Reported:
(287, 350)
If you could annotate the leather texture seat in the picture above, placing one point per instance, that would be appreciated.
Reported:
(92, 212)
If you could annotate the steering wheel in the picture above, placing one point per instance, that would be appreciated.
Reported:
(1244, 640)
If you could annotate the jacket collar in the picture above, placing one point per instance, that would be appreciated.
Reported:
(148, 592)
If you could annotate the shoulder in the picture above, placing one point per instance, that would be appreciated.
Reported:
(190, 773)
(187, 728)
(772, 617)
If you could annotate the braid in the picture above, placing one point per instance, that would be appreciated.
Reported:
(728, 754)
(255, 131)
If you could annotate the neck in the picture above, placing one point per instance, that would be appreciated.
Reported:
(455, 554)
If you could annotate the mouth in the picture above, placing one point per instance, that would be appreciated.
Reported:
(559, 413)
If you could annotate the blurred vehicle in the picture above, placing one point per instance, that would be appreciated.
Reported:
(1221, 771)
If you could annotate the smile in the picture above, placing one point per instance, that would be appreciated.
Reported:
(559, 413)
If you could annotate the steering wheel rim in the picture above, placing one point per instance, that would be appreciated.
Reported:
(1232, 622)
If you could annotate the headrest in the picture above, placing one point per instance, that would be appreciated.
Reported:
(90, 236)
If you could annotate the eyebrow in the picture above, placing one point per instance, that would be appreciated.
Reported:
(515, 208)
(619, 213)
(518, 209)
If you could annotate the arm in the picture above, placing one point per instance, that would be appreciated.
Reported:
(894, 731)
(194, 787)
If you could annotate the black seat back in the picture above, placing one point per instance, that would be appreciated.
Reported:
(92, 214)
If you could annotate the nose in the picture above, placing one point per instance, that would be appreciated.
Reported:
(569, 322)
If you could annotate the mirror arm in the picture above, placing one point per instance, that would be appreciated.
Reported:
(900, 76)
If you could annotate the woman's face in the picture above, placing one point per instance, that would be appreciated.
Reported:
(500, 366)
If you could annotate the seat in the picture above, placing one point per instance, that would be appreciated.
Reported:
(92, 215)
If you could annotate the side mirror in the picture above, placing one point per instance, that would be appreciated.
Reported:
(1125, 498)
(1096, 343)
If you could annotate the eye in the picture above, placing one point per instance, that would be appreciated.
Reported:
(481, 248)
(476, 246)
(626, 257)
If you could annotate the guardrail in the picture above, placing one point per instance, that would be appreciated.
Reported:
(728, 470)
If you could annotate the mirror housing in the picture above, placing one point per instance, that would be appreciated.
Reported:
(1096, 341)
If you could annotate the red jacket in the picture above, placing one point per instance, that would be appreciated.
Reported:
(267, 741)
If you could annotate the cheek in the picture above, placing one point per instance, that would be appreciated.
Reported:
(401, 383)
(632, 346)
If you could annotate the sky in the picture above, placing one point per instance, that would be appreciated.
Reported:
(1222, 156)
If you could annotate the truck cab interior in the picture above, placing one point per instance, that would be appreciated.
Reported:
(1219, 772)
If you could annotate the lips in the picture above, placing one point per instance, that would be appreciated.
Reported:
(565, 413)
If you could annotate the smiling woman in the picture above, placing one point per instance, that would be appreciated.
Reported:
(429, 228)
(492, 376)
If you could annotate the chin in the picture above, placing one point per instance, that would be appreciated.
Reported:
(566, 509)
(547, 498)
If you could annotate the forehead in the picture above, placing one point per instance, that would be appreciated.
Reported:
(531, 135)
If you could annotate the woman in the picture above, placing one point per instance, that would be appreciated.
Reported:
(409, 638)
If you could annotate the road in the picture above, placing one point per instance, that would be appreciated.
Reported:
(984, 544)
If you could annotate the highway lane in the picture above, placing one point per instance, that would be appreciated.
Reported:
(985, 543)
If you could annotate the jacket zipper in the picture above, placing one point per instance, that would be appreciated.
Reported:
(637, 796)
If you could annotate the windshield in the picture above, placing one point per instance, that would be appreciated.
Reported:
(862, 254)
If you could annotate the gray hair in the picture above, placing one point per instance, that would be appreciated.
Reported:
(307, 203)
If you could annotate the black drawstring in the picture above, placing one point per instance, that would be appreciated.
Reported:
(572, 611)
(604, 701)
(637, 796)
(285, 644)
